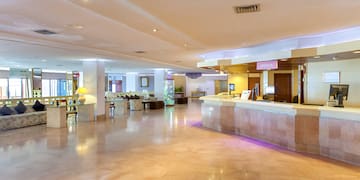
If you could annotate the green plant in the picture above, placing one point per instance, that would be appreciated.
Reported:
(179, 89)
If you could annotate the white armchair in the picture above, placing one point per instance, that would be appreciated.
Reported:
(136, 104)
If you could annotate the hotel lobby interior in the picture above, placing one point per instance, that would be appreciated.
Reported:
(177, 73)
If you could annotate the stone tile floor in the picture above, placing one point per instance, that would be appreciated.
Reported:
(154, 144)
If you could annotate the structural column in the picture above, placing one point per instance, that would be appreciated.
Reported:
(159, 83)
(132, 82)
(265, 81)
(94, 82)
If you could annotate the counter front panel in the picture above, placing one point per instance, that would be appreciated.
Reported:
(327, 131)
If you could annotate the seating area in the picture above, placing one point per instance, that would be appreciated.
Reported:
(29, 114)
(180, 98)
(30, 117)
(43, 100)
(135, 101)
(136, 104)
(153, 104)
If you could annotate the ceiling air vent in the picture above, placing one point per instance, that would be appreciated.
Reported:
(140, 52)
(45, 32)
(247, 9)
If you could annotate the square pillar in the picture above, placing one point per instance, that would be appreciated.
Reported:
(94, 82)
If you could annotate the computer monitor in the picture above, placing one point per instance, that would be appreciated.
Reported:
(255, 92)
(339, 92)
(231, 88)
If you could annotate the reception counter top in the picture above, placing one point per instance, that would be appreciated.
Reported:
(327, 131)
(347, 113)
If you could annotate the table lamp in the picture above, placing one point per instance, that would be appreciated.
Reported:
(81, 91)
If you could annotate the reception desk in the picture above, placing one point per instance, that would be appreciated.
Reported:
(327, 131)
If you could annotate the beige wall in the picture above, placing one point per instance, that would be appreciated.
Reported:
(240, 81)
(180, 81)
(317, 91)
(203, 83)
(294, 79)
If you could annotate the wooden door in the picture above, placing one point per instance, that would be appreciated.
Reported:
(302, 87)
(251, 83)
(282, 83)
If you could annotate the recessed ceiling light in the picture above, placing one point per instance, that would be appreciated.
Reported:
(316, 57)
(43, 60)
(75, 26)
(155, 30)
(334, 58)
(357, 52)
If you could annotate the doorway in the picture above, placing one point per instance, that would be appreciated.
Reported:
(221, 86)
(115, 86)
(283, 89)
(302, 87)
(251, 84)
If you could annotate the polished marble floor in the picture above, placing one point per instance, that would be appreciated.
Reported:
(154, 144)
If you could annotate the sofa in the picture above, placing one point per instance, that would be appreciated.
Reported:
(136, 104)
(29, 118)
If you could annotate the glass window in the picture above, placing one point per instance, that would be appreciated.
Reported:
(45, 84)
(15, 88)
(4, 89)
(69, 91)
(61, 87)
(26, 88)
(53, 87)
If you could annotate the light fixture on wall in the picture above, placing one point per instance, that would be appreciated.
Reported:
(81, 91)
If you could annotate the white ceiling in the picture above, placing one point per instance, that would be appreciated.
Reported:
(115, 29)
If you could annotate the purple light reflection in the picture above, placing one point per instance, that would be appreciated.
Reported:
(234, 143)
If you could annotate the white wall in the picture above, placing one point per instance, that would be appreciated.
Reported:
(94, 81)
(203, 83)
(317, 91)
(132, 80)
(159, 83)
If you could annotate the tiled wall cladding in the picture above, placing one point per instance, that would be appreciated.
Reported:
(310, 133)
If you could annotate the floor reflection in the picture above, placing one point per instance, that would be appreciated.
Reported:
(166, 143)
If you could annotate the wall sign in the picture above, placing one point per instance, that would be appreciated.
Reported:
(331, 77)
(267, 65)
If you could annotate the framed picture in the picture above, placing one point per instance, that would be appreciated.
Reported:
(144, 81)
